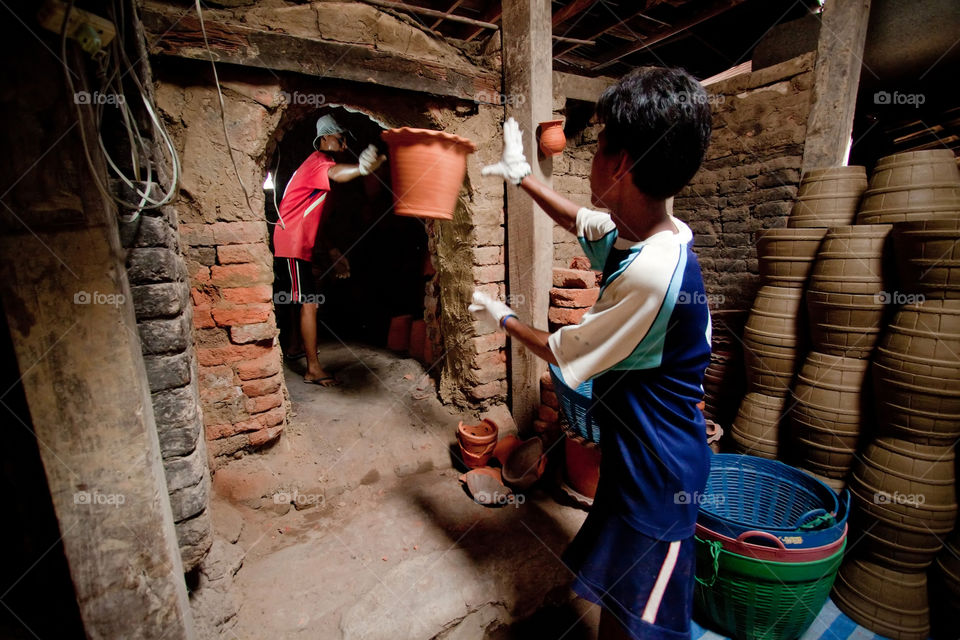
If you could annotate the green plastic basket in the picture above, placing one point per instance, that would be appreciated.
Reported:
(752, 599)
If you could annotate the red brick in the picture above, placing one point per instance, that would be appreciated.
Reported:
(253, 332)
(572, 278)
(491, 273)
(211, 375)
(575, 298)
(263, 403)
(208, 357)
(581, 263)
(240, 253)
(549, 398)
(488, 390)
(202, 318)
(253, 313)
(489, 342)
(262, 367)
(484, 256)
(489, 359)
(245, 295)
(219, 233)
(547, 414)
(263, 436)
(272, 417)
(240, 275)
(202, 296)
(561, 316)
(546, 381)
(541, 426)
(493, 290)
(254, 388)
(199, 274)
(225, 429)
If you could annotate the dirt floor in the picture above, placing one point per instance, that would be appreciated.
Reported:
(354, 524)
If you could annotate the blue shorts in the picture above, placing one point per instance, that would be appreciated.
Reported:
(645, 583)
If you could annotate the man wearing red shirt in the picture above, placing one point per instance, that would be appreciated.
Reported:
(301, 210)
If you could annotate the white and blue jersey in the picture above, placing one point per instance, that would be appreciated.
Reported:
(645, 344)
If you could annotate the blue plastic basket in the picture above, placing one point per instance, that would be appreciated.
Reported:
(747, 493)
(576, 405)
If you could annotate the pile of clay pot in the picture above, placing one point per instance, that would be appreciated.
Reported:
(521, 462)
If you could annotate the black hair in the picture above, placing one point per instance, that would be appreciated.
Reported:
(661, 118)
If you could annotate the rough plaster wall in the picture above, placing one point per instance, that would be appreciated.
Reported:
(750, 176)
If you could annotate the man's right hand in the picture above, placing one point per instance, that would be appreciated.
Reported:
(513, 166)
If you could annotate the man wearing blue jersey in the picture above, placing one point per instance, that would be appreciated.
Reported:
(645, 344)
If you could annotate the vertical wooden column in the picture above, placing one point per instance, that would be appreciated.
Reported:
(843, 32)
(528, 85)
(70, 311)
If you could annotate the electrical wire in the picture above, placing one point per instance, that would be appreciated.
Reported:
(223, 109)
(112, 86)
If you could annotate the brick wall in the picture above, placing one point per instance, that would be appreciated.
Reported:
(749, 178)
(158, 283)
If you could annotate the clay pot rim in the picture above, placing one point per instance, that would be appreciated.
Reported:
(549, 123)
(478, 440)
(411, 134)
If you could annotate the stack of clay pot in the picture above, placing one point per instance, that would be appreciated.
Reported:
(723, 381)
(846, 303)
(772, 337)
(410, 336)
(903, 481)
(828, 197)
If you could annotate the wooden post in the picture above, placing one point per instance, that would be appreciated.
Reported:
(843, 32)
(528, 88)
(70, 311)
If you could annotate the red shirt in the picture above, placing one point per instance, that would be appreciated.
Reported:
(302, 207)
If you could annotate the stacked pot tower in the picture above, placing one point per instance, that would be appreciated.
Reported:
(903, 474)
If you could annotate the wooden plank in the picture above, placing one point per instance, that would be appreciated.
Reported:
(450, 10)
(705, 13)
(565, 13)
(178, 34)
(433, 13)
(583, 88)
(843, 33)
(492, 15)
(527, 65)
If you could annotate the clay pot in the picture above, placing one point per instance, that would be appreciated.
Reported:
(889, 602)
(770, 339)
(828, 197)
(398, 336)
(427, 168)
(945, 586)
(505, 447)
(485, 485)
(905, 502)
(756, 429)
(826, 415)
(851, 260)
(911, 187)
(477, 442)
(581, 465)
(525, 464)
(552, 139)
(916, 373)
(928, 257)
(418, 339)
(786, 255)
(846, 324)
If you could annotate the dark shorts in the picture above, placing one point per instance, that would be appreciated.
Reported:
(295, 283)
(645, 583)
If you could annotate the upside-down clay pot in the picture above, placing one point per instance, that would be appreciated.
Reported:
(418, 338)
(552, 139)
(398, 337)
(427, 168)
(582, 465)
(505, 447)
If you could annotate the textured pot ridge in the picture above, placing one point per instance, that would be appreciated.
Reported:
(912, 186)
(427, 169)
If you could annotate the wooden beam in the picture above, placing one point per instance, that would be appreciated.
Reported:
(527, 71)
(178, 34)
(583, 88)
(715, 8)
(843, 32)
(609, 25)
(433, 13)
(564, 13)
(492, 15)
(450, 10)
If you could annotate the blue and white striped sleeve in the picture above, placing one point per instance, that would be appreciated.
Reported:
(596, 233)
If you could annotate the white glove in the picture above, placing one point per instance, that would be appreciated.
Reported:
(489, 311)
(369, 160)
(513, 165)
